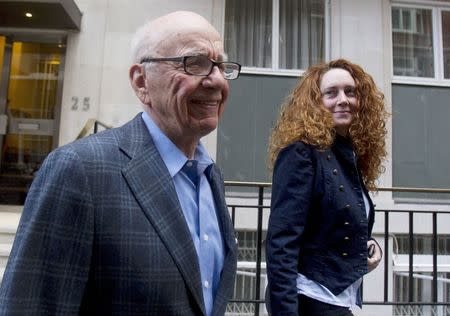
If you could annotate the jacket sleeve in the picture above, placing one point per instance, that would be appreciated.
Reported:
(292, 184)
(49, 263)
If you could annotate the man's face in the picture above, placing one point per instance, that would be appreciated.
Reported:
(184, 105)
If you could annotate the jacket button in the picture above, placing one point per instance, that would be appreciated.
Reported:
(328, 157)
(346, 223)
(347, 206)
(335, 172)
(341, 188)
(346, 238)
(362, 254)
(359, 204)
(344, 254)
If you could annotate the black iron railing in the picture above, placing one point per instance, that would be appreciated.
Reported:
(260, 194)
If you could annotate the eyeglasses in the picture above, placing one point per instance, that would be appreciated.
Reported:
(202, 65)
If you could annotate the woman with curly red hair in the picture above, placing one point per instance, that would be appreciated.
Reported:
(326, 151)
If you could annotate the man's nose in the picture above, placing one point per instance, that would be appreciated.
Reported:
(215, 78)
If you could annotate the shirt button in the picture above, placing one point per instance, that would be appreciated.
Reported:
(205, 237)
(206, 284)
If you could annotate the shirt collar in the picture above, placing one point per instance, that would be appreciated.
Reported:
(173, 157)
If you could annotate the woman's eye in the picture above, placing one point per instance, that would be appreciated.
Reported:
(330, 93)
(350, 92)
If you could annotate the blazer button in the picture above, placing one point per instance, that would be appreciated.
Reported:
(335, 172)
(341, 188)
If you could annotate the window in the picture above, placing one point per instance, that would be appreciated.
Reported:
(421, 46)
(275, 34)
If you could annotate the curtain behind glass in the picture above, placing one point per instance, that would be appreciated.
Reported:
(302, 37)
(248, 32)
(412, 42)
(446, 42)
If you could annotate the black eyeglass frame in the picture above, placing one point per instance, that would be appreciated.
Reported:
(183, 59)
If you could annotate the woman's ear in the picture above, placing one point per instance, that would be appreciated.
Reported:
(139, 83)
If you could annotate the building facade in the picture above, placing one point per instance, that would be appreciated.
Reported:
(65, 62)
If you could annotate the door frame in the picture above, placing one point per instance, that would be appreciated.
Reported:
(35, 36)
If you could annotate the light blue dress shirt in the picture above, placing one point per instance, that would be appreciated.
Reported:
(198, 208)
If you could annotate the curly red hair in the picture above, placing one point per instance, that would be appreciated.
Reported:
(304, 118)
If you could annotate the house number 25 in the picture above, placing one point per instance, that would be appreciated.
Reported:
(77, 105)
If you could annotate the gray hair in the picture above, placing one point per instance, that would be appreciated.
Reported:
(142, 45)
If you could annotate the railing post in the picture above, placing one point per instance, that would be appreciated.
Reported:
(258, 247)
(435, 250)
(233, 215)
(386, 256)
(411, 255)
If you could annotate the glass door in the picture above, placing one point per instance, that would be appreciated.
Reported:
(30, 101)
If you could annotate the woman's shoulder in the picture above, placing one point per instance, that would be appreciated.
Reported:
(299, 147)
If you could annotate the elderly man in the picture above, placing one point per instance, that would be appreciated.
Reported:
(133, 221)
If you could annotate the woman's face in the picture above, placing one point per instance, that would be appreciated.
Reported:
(338, 90)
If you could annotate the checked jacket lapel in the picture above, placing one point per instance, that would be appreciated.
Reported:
(150, 181)
(225, 290)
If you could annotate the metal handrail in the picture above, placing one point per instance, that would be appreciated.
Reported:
(90, 124)
(232, 183)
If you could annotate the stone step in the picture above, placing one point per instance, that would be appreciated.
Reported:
(9, 220)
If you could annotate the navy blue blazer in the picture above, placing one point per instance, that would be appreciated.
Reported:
(318, 224)
(103, 233)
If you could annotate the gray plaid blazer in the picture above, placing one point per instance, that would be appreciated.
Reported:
(102, 233)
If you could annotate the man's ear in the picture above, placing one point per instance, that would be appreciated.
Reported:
(139, 83)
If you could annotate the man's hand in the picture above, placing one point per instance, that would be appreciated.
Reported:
(374, 254)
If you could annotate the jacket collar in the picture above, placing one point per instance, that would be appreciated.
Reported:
(343, 147)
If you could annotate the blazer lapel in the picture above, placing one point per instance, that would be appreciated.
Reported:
(226, 285)
(150, 181)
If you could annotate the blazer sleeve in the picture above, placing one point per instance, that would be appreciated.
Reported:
(49, 262)
(292, 184)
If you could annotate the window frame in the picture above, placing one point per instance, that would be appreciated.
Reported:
(436, 9)
(275, 70)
